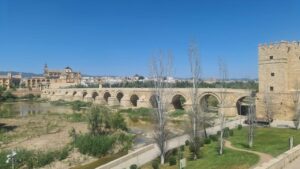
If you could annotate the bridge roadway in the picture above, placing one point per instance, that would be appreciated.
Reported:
(145, 97)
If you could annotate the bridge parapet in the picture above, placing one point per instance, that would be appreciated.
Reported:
(143, 97)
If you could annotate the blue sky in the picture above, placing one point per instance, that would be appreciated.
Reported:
(118, 37)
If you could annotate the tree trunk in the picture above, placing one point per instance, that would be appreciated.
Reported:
(162, 159)
(205, 132)
(221, 143)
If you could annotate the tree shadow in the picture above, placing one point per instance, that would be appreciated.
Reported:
(6, 128)
(244, 145)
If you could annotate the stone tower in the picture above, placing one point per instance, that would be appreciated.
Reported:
(46, 70)
(279, 78)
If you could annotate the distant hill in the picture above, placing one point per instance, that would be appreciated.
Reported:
(24, 74)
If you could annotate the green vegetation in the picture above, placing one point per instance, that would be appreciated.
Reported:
(76, 117)
(86, 144)
(138, 114)
(272, 141)
(177, 113)
(107, 132)
(230, 159)
(101, 161)
(6, 95)
(76, 105)
(211, 159)
(33, 159)
(30, 97)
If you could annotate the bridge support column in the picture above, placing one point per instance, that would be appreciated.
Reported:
(78, 97)
(143, 103)
(125, 101)
(229, 111)
(68, 98)
(113, 101)
(100, 100)
(88, 98)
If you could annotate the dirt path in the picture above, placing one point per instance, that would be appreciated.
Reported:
(263, 157)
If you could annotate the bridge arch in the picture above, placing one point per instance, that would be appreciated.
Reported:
(106, 96)
(66, 93)
(209, 102)
(153, 101)
(119, 96)
(242, 105)
(74, 93)
(178, 101)
(84, 93)
(95, 95)
(134, 100)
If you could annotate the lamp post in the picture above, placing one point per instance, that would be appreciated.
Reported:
(11, 157)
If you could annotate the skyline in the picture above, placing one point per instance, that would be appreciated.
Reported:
(110, 38)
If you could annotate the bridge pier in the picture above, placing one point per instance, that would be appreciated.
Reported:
(78, 96)
(88, 98)
(113, 101)
(125, 101)
(68, 97)
(229, 111)
(100, 100)
(143, 103)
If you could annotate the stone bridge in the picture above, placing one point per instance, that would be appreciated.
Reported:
(145, 97)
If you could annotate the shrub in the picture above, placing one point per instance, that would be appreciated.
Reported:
(172, 160)
(76, 117)
(133, 166)
(76, 105)
(226, 132)
(174, 151)
(177, 113)
(195, 147)
(182, 148)
(118, 122)
(86, 144)
(207, 141)
(155, 164)
(230, 132)
(240, 127)
(187, 142)
(213, 137)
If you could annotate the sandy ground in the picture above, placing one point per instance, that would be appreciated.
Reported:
(40, 133)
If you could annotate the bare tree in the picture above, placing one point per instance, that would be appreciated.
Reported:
(251, 121)
(160, 69)
(195, 112)
(268, 106)
(223, 77)
(296, 100)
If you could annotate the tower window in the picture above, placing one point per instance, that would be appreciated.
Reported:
(271, 88)
(271, 57)
(272, 74)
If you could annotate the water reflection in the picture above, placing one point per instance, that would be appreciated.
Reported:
(22, 109)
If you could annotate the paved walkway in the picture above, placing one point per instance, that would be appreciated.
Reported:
(149, 155)
(263, 157)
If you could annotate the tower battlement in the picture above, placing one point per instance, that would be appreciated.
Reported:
(278, 45)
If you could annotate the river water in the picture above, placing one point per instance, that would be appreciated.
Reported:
(29, 108)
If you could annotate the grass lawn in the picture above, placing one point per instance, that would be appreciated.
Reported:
(229, 160)
(273, 141)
